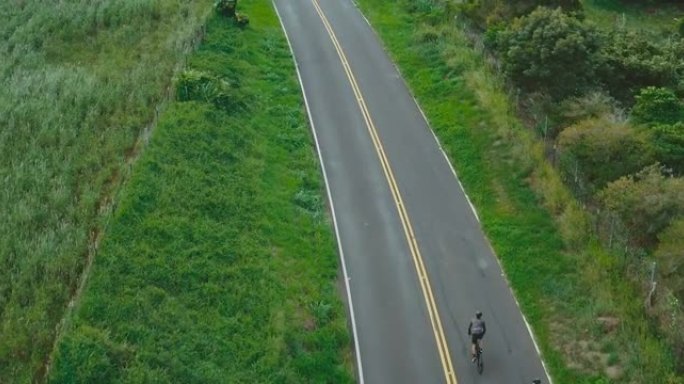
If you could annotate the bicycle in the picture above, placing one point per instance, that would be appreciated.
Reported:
(478, 358)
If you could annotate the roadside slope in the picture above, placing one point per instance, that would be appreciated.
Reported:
(219, 262)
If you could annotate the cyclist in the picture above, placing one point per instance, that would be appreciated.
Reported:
(476, 330)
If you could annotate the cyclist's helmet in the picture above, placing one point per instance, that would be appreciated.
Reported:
(478, 314)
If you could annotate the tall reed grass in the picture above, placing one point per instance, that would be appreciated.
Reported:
(79, 80)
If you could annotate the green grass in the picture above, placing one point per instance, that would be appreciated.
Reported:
(78, 81)
(219, 264)
(562, 279)
(611, 14)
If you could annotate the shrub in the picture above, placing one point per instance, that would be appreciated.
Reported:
(550, 51)
(657, 106)
(241, 19)
(646, 203)
(602, 151)
(200, 86)
(670, 257)
(226, 8)
(486, 13)
(668, 143)
(593, 105)
(631, 61)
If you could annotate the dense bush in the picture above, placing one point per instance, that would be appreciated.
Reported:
(490, 12)
(657, 106)
(631, 61)
(200, 86)
(226, 8)
(550, 51)
(646, 203)
(593, 105)
(598, 151)
(670, 257)
(668, 143)
(557, 53)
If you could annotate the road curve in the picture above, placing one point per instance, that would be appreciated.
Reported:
(417, 262)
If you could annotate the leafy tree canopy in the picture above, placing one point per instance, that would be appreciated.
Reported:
(657, 106)
(550, 51)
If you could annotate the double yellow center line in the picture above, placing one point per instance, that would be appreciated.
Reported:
(435, 321)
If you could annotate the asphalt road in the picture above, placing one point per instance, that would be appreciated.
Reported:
(417, 262)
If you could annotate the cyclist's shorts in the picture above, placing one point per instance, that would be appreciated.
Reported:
(475, 338)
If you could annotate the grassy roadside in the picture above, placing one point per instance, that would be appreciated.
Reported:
(219, 263)
(79, 82)
(589, 323)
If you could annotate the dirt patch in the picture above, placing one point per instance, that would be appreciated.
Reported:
(585, 354)
(609, 324)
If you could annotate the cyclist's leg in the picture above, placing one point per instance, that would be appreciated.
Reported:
(473, 345)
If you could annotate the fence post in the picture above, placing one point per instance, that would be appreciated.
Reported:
(654, 284)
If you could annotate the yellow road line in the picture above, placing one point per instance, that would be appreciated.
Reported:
(435, 321)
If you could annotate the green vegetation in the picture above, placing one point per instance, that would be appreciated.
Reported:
(668, 254)
(635, 15)
(640, 74)
(668, 141)
(657, 106)
(219, 262)
(80, 82)
(560, 55)
(588, 319)
(603, 149)
(551, 52)
(643, 218)
(494, 12)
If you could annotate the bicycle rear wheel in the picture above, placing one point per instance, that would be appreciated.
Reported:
(480, 363)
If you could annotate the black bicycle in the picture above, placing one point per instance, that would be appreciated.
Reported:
(479, 363)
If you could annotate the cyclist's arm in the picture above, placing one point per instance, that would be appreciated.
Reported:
(484, 328)
(470, 326)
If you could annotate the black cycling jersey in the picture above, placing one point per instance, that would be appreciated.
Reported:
(477, 327)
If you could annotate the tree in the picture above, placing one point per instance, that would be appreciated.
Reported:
(646, 203)
(657, 106)
(603, 151)
(550, 51)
